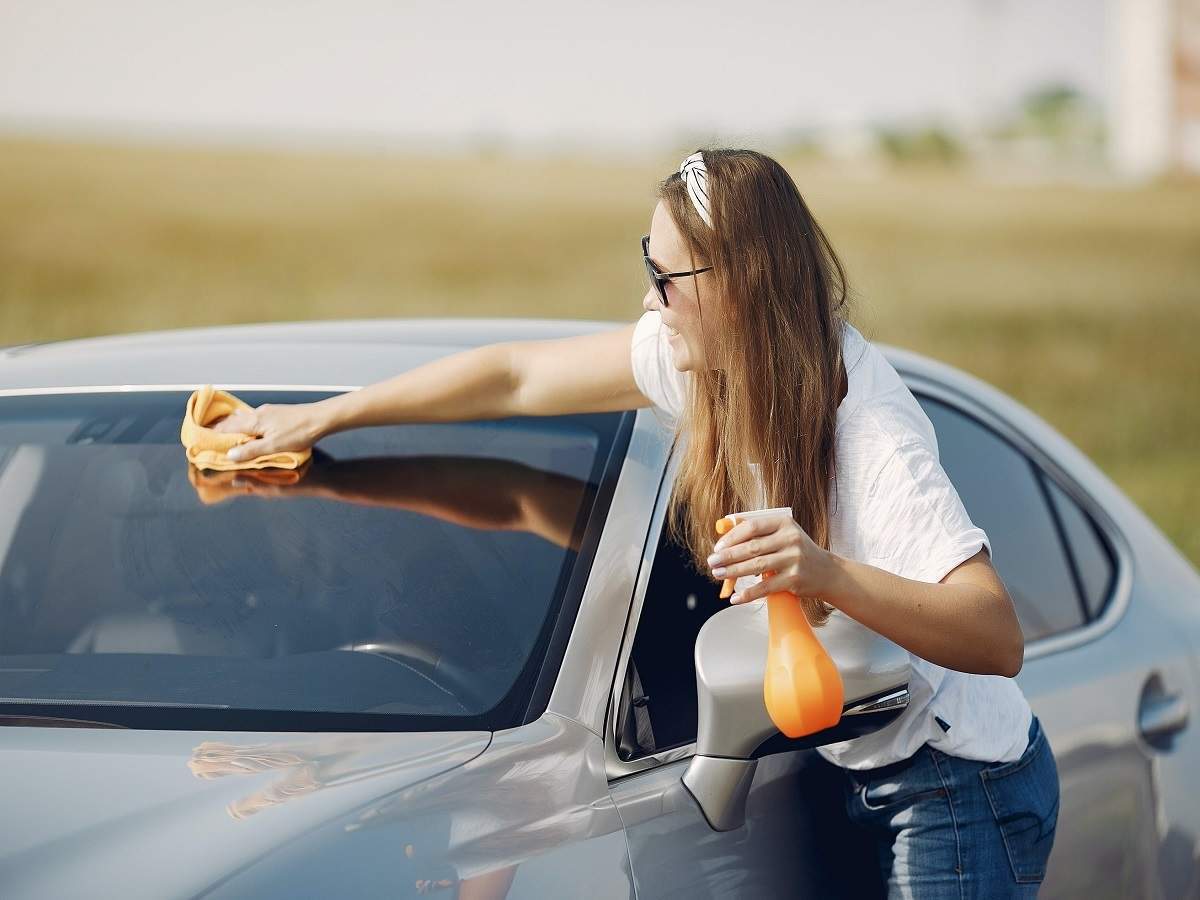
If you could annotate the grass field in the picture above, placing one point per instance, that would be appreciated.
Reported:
(1082, 302)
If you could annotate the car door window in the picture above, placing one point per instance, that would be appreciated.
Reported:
(1092, 557)
(1006, 495)
(658, 708)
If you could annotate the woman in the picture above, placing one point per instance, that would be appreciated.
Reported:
(746, 344)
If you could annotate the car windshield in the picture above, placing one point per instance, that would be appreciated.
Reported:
(405, 577)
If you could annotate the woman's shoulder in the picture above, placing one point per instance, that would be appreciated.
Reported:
(870, 377)
(877, 399)
(879, 417)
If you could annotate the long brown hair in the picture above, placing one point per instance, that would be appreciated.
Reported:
(775, 319)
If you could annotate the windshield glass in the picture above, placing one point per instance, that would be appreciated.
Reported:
(405, 577)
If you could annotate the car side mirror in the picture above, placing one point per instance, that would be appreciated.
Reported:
(734, 728)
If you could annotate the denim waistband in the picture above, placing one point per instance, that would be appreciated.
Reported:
(861, 775)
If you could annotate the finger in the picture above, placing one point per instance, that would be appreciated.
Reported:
(740, 532)
(249, 450)
(748, 549)
(761, 589)
(755, 565)
(236, 422)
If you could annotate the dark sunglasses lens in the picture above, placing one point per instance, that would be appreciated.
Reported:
(659, 284)
(652, 274)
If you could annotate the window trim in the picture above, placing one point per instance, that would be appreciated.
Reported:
(1044, 484)
(127, 388)
(1045, 465)
(615, 767)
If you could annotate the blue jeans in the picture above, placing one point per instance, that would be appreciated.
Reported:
(944, 826)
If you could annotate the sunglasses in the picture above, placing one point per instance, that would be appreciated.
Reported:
(660, 279)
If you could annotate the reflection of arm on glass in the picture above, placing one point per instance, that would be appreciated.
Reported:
(491, 494)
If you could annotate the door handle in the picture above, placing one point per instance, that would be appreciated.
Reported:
(1161, 713)
(1163, 717)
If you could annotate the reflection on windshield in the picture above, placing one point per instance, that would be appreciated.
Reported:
(410, 570)
(490, 494)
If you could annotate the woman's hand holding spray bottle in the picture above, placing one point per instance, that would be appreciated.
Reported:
(801, 686)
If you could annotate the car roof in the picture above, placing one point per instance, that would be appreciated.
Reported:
(347, 352)
(343, 353)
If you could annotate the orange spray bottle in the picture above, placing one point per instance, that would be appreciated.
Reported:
(801, 685)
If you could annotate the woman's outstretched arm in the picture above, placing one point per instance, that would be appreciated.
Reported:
(583, 373)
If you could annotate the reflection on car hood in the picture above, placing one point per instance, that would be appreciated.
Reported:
(170, 813)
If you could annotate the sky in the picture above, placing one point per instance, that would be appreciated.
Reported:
(536, 72)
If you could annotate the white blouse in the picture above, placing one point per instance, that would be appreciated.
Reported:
(892, 506)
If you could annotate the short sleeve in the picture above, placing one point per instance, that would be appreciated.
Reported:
(654, 369)
(912, 522)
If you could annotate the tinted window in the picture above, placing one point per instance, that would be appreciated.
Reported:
(1003, 495)
(413, 572)
(1093, 560)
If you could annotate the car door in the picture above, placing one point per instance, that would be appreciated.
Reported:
(796, 836)
(1106, 670)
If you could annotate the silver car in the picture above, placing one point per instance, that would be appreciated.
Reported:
(465, 660)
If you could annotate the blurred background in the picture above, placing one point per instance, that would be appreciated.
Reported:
(1012, 184)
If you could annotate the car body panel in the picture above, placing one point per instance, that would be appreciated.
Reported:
(193, 809)
(1120, 796)
(531, 814)
(280, 815)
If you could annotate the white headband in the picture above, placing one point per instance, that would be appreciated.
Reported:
(695, 176)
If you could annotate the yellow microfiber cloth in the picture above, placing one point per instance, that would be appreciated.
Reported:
(206, 448)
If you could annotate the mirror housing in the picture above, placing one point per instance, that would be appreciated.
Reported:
(734, 728)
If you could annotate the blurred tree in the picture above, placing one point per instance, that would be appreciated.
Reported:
(802, 143)
(1052, 107)
(1057, 113)
(929, 144)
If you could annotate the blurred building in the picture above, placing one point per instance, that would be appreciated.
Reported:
(1155, 95)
